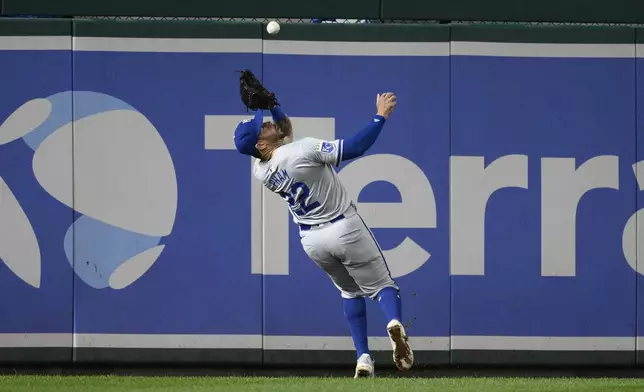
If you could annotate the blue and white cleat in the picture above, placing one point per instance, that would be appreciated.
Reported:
(403, 354)
(365, 367)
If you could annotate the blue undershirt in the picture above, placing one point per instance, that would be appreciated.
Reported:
(353, 146)
(278, 114)
(356, 145)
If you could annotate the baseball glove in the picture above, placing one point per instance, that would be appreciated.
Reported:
(253, 94)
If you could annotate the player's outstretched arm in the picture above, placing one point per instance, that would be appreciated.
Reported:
(358, 144)
(282, 121)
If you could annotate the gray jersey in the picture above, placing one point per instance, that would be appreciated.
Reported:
(302, 173)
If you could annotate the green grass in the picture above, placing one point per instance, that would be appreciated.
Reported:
(231, 384)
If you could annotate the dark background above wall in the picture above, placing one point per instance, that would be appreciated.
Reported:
(587, 11)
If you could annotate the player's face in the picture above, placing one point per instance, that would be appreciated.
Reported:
(270, 133)
(268, 136)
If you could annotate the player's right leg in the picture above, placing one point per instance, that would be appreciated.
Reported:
(365, 367)
(353, 302)
(355, 312)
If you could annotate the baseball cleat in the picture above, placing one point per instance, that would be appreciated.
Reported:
(403, 355)
(364, 368)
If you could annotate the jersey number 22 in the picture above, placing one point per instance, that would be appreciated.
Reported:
(300, 197)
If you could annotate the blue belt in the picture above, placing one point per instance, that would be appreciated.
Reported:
(308, 227)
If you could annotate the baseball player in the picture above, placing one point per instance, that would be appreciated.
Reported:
(331, 230)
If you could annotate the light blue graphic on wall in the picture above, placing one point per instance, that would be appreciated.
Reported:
(101, 157)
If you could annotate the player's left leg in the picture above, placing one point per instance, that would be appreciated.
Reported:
(389, 301)
(365, 262)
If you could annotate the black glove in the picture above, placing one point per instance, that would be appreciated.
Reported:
(253, 94)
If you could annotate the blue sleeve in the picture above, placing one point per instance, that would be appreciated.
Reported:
(359, 143)
(278, 114)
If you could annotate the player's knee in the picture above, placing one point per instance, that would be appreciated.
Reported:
(393, 289)
(351, 292)
(373, 294)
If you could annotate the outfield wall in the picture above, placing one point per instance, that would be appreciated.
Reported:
(504, 191)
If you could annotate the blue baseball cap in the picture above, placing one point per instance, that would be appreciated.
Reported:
(247, 133)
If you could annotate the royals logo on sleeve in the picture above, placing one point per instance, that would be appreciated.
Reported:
(327, 147)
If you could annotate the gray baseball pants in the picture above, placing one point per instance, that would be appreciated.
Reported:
(349, 254)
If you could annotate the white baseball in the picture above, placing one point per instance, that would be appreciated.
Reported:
(273, 27)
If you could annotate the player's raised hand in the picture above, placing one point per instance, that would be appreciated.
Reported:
(385, 104)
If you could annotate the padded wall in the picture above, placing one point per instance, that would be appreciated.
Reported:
(634, 257)
(501, 191)
(543, 138)
(36, 186)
